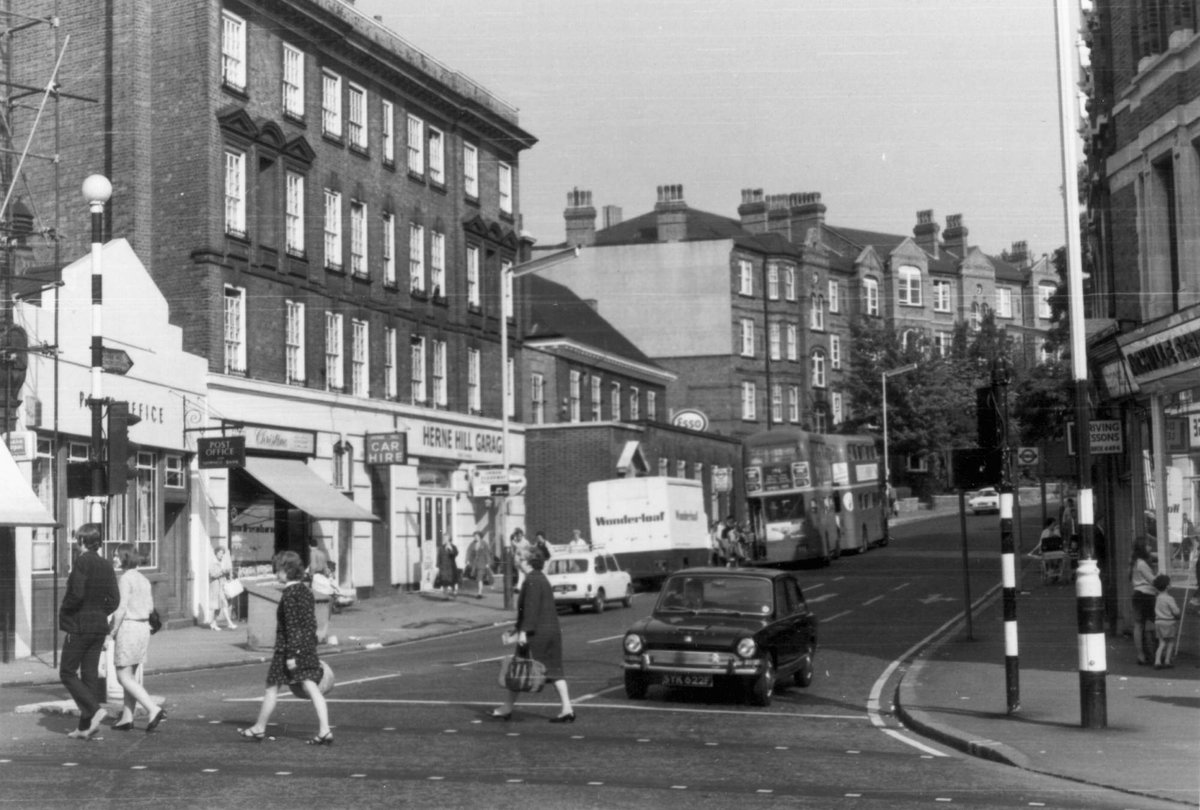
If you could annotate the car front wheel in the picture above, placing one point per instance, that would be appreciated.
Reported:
(628, 600)
(763, 687)
(635, 686)
(598, 602)
(804, 675)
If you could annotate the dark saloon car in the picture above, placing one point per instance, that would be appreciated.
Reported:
(749, 626)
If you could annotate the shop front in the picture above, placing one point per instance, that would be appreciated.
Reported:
(1161, 370)
(161, 382)
(378, 516)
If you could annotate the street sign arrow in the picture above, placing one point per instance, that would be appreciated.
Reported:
(115, 361)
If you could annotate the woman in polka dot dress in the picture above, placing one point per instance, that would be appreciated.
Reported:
(295, 656)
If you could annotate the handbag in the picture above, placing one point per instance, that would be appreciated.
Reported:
(233, 588)
(519, 673)
(324, 685)
(155, 621)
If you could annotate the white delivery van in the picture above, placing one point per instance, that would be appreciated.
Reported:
(652, 525)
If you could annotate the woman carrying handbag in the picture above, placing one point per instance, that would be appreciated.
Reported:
(537, 634)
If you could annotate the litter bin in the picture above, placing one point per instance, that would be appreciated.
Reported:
(262, 603)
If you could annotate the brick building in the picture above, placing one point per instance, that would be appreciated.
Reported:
(597, 410)
(327, 211)
(1142, 248)
(753, 314)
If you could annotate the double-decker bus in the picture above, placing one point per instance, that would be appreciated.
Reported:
(812, 495)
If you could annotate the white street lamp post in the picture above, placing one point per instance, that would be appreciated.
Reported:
(887, 470)
(506, 278)
(97, 190)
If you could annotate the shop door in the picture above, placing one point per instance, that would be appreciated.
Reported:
(433, 517)
(381, 532)
(8, 594)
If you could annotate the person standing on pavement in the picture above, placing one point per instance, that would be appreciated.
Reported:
(220, 571)
(92, 595)
(542, 544)
(295, 658)
(518, 547)
(479, 560)
(1166, 623)
(538, 632)
(447, 575)
(131, 637)
(1141, 576)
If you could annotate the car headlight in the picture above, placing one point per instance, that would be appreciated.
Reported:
(634, 644)
(746, 648)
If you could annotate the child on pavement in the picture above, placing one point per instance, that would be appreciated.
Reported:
(1166, 622)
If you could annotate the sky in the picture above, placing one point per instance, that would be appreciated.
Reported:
(885, 107)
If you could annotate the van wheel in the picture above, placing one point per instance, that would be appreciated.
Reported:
(598, 602)
(628, 600)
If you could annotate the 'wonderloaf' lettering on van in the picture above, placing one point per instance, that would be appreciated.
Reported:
(624, 519)
(686, 515)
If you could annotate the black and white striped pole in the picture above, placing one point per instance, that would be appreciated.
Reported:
(97, 190)
(1001, 377)
(1093, 664)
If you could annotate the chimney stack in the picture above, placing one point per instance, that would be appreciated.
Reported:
(808, 216)
(777, 214)
(1020, 254)
(926, 232)
(753, 210)
(671, 211)
(580, 217)
(955, 236)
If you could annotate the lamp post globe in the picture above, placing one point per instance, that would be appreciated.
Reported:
(97, 189)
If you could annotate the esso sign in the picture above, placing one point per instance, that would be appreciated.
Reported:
(691, 419)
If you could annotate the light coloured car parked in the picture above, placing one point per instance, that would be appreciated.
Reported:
(589, 577)
(985, 500)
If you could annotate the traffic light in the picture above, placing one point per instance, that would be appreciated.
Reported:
(987, 415)
(119, 461)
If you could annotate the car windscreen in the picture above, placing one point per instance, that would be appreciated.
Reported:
(566, 566)
(716, 594)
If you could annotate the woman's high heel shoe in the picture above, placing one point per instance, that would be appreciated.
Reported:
(569, 717)
(322, 739)
(256, 736)
(126, 726)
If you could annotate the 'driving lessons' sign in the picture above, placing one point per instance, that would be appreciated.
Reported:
(1105, 434)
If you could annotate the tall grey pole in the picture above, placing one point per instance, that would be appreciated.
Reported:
(1093, 663)
(1001, 377)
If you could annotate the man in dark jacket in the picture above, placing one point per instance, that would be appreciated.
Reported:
(92, 595)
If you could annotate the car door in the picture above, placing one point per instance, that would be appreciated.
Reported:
(788, 636)
(614, 581)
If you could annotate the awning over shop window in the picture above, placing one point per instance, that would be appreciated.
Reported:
(18, 505)
(295, 483)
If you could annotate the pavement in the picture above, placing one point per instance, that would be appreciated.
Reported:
(952, 690)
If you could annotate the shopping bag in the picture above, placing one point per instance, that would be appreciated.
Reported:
(521, 674)
(233, 588)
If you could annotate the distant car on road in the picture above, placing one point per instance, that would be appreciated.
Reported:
(747, 626)
(985, 500)
(580, 577)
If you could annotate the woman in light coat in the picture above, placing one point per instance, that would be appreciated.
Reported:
(131, 634)
(220, 571)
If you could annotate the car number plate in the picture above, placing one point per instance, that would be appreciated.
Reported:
(687, 680)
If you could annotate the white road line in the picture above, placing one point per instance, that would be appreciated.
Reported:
(835, 616)
(814, 587)
(606, 638)
(368, 680)
(873, 710)
(821, 598)
(875, 599)
(491, 660)
(554, 704)
(901, 586)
